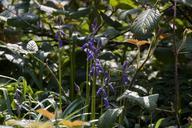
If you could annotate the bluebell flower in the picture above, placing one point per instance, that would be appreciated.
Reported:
(101, 91)
(96, 68)
(125, 79)
(90, 55)
(125, 64)
(59, 37)
(111, 87)
(106, 102)
(94, 26)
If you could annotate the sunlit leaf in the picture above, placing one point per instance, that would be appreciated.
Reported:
(148, 102)
(123, 3)
(157, 125)
(46, 113)
(146, 21)
(76, 123)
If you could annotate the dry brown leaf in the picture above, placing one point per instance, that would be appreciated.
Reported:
(46, 113)
(70, 124)
(137, 42)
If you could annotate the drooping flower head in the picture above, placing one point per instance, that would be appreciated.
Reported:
(94, 26)
(125, 79)
(59, 37)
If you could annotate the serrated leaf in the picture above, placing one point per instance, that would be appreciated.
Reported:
(107, 119)
(146, 21)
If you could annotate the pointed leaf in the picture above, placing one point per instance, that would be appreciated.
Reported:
(159, 122)
(148, 102)
(109, 21)
(146, 21)
(107, 119)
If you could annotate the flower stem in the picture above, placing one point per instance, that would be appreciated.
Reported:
(72, 76)
(93, 103)
(60, 81)
(87, 89)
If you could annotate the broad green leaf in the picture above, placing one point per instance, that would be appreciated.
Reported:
(146, 21)
(123, 3)
(159, 123)
(26, 20)
(148, 102)
(107, 119)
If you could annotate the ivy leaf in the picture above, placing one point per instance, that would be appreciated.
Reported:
(108, 118)
(146, 21)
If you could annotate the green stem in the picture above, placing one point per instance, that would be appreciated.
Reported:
(60, 81)
(177, 86)
(93, 103)
(87, 89)
(72, 74)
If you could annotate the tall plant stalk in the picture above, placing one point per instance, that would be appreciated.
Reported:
(72, 69)
(177, 93)
(87, 89)
(93, 100)
(60, 81)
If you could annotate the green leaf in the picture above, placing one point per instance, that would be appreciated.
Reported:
(146, 21)
(186, 2)
(148, 102)
(146, 1)
(81, 12)
(125, 14)
(6, 97)
(23, 21)
(109, 21)
(73, 107)
(107, 119)
(159, 122)
(123, 3)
